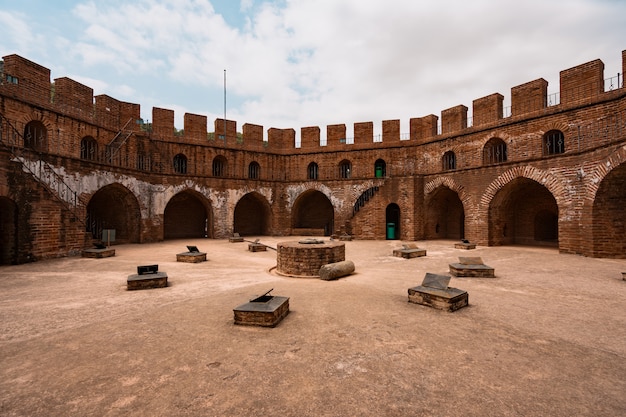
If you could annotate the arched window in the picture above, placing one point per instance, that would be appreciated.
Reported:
(35, 136)
(312, 171)
(494, 152)
(448, 161)
(88, 148)
(219, 166)
(180, 164)
(143, 162)
(345, 169)
(380, 169)
(254, 170)
(553, 142)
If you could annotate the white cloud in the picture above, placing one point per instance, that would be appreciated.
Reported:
(296, 63)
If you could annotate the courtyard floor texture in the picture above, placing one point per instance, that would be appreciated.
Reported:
(546, 337)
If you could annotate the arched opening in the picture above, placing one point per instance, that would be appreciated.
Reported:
(609, 215)
(219, 166)
(8, 231)
(494, 152)
(313, 213)
(36, 136)
(254, 170)
(252, 215)
(523, 212)
(445, 216)
(392, 222)
(380, 168)
(553, 142)
(312, 171)
(185, 217)
(180, 164)
(345, 168)
(88, 149)
(114, 207)
(448, 161)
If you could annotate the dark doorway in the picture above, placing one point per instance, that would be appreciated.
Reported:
(114, 207)
(185, 217)
(252, 215)
(445, 216)
(523, 212)
(392, 222)
(8, 231)
(314, 212)
(609, 215)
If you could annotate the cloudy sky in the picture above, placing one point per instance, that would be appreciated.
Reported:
(296, 63)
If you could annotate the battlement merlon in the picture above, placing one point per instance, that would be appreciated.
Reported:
(487, 109)
(73, 98)
(32, 81)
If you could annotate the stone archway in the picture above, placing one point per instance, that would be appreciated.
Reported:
(523, 212)
(8, 231)
(609, 215)
(115, 207)
(252, 215)
(187, 216)
(445, 216)
(313, 213)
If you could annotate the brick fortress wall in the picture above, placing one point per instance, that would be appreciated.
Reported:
(168, 182)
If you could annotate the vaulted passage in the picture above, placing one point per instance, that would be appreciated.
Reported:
(8, 231)
(252, 216)
(524, 212)
(445, 217)
(609, 216)
(186, 217)
(114, 207)
(313, 213)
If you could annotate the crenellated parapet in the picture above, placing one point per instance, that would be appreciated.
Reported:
(26, 81)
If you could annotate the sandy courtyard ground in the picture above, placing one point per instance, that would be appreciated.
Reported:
(546, 337)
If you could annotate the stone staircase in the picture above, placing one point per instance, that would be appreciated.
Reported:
(13, 141)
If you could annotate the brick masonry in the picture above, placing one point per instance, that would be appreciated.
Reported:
(151, 182)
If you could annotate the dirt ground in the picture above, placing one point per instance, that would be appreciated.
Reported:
(546, 337)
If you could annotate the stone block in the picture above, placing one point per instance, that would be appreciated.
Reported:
(98, 253)
(146, 281)
(449, 299)
(191, 257)
(464, 245)
(257, 247)
(336, 270)
(408, 251)
(235, 238)
(471, 267)
(265, 311)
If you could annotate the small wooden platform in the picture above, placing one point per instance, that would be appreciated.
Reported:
(410, 250)
(265, 311)
(98, 253)
(471, 267)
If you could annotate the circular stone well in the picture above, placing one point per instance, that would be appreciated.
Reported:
(304, 258)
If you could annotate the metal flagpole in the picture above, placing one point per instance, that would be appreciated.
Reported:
(224, 105)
